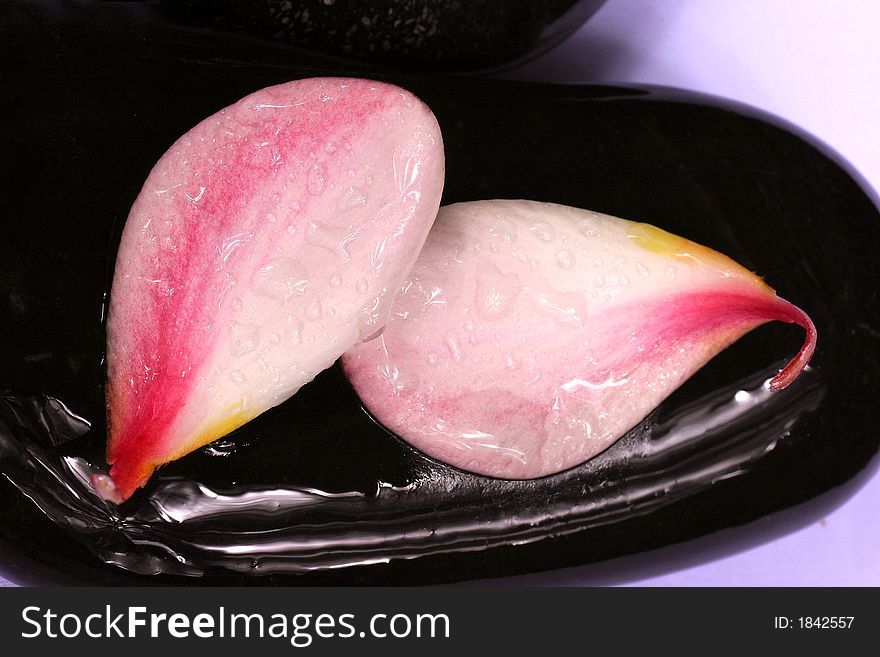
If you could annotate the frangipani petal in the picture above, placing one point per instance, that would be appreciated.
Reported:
(530, 336)
(268, 240)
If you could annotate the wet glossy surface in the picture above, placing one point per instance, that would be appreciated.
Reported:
(529, 337)
(315, 483)
(267, 241)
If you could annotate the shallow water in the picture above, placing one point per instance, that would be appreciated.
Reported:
(185, 526)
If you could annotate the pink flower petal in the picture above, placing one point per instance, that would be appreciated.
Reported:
(263, 245)
(529, 336)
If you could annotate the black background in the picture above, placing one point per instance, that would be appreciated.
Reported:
(93, 96)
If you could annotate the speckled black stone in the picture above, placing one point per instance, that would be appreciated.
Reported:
(447, 35)
(93, 96)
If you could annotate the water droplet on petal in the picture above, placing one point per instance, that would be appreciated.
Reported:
(504, 229)
(543, 231)
(565, 307)
(294, 330)
(330, 238)
(454, 347)
(245, 336)
(587, 229)
(281, 278)
(317, 175)
(565, 259)
(313, 310)
(354, 197)
(496, 292)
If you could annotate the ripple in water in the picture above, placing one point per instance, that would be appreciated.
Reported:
(184, 527)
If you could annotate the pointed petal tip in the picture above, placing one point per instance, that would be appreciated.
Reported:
(106, 489)
(122, 482)
(788, 312)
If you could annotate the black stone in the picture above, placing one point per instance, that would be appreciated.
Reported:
(94, 96)
(447, 35)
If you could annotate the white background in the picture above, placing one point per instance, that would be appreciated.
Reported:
(815, 63)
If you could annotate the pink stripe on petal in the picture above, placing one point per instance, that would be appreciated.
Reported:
(262, 243)
(529, 337)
